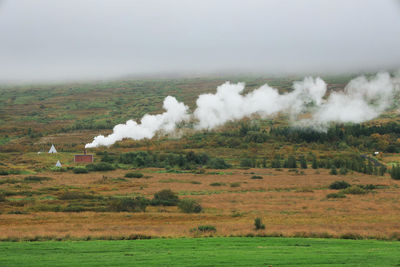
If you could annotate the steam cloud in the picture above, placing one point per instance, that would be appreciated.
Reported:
(150, 124)
(362, 99)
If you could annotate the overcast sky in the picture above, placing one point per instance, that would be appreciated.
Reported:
(90, 39)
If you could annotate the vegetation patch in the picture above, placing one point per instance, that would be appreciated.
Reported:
(204, 229)
(36, 179)
(336, 195)
(134, 175)
(101, 166)
(258, 224)
(72, 195)
(339, 185)
(217, 184)
(355, 190)
(165, 198)
(188, 205)
(80, 170)
(137, 204)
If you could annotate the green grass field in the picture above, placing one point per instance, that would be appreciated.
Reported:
(203, 252)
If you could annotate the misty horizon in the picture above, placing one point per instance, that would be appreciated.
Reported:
(47, 40)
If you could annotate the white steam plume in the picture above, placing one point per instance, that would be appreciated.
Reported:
(228, 104)
(150, 124)
(362, 99)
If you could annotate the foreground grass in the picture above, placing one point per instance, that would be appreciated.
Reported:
(204, 252)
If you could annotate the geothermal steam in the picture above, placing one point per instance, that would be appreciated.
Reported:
(150, 124)
(362, 99)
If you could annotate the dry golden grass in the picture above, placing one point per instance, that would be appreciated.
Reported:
(289, 204)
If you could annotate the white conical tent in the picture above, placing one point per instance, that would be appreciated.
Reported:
(58, 164)
(52, 149)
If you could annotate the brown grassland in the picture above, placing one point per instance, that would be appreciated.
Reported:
(289, 204)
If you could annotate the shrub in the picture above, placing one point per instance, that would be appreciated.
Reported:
(256, 177)
(303, 162)
(9, 181)
(217, 184)
(333, 171)
(218, 163)
(80, 170)
(165, 198)
(258, 224)
(2, 198)
(235, 184)
(134, 175)
(189, 206)
(382, 170)
(101, 166)
(339, 185)
(291, 162)
(36, 179)
(355, 190)
(336, 195)
(73, 208)
(395, 172)
(206, 228)
(129, 204)
(3, 172)
(314, 163)
(246, 162)
(368, 186)
(343, 171)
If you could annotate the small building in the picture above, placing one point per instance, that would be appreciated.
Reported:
(87, 158)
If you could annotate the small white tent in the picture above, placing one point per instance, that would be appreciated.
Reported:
(52, 149)
(58, 164)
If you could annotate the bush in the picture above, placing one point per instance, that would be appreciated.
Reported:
(333, 171)
(339, 185)
(343, 171)
(206, 228)
(368, 186)
(2, 198)
(303, 162)
(291, 162)
(137, 204)
(217, 184)
(36, 179)
(73, 208)
(218, 163)
(256, 177)
(101, 166)
(247, 163)
(134, 175)
(235, 184)
(355, 190)
(3, 172)
(80, 170)
(395, 172)
(189, 206)
(336, 195)
(258, 224)
(165, 198)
